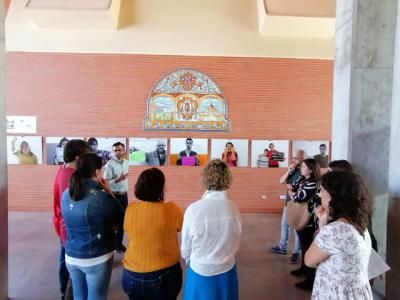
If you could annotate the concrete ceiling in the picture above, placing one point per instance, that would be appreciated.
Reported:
(260, 28)
(70, 4)
(303, 8)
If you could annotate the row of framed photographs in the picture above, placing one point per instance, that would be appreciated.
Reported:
(172, 151)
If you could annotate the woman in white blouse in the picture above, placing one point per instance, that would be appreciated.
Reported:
(342, 247)
(210, 239)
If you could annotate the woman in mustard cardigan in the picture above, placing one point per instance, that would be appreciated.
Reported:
(151, 263)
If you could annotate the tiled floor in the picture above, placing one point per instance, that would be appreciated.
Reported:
(33, 256)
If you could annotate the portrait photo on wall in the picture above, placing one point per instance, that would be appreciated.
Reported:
(148, 151)
(234, 152)
(314, 149)
(269, 153)
(24, 150)
(55, 149)
(188, 152)
(103, 146)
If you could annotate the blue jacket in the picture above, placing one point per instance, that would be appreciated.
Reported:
(89, 222)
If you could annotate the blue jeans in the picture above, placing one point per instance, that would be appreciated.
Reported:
(63, 274)
(91, 283)
(285, 229)
(161, 285)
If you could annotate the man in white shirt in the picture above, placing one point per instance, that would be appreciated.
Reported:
(116, 174)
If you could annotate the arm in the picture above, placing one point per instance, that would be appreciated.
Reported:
(314, 256)
(286, 175)
(179, 217)
(305, 192)
(234, 156)
(13, 150)
(186, 239)
(56, 208)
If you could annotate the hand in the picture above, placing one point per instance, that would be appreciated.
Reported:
(121, 177)
(323, 215)
(226, 151)
(292, 167)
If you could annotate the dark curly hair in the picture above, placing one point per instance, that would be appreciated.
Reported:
(349, 198)
(150, 185)
(217, 176)
(340, 165)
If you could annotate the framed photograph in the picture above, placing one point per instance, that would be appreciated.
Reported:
(148, 151)
(314, 149)
(234, 152)
(24, 150)
(103, 146)
(55, 149)
(188, 152)
(269, 153)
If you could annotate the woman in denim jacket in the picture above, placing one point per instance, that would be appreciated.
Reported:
(89, 211)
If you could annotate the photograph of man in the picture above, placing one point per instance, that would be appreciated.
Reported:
(322, 157)
(157, 157)
(319, 150)
(263, 159)
(116, 174)
(24, 150)
(272, 154)
(188, 152)
(263, 151)
(105, 155)
(229, 155)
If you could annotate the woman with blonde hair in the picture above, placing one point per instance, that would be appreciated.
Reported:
(210, 239)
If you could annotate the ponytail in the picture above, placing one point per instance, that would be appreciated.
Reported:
(76, 186)
(86, 167)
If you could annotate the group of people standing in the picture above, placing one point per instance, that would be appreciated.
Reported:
(335, 244)
(91, 215)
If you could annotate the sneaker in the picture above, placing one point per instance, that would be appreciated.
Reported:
(294, 259)
(298, 272)
(277, 249)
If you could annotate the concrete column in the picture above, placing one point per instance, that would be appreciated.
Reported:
(3, 170)
(393, 223)
(363, 78)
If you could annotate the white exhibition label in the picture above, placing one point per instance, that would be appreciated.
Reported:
(21, 124)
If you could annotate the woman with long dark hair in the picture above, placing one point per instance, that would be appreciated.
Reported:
(151, 263)
(304, 190)
(89, 212)
(342, 247)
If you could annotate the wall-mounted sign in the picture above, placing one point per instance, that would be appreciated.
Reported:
(186, 100)
(21, 124)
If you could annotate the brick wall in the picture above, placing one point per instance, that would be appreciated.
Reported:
(105, 95)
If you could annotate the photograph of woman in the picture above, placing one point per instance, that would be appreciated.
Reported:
(229, 155)
(59, 156)
(232, 151)
(28, 151)
(55, 149)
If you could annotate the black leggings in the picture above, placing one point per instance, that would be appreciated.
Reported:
(306, 237)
